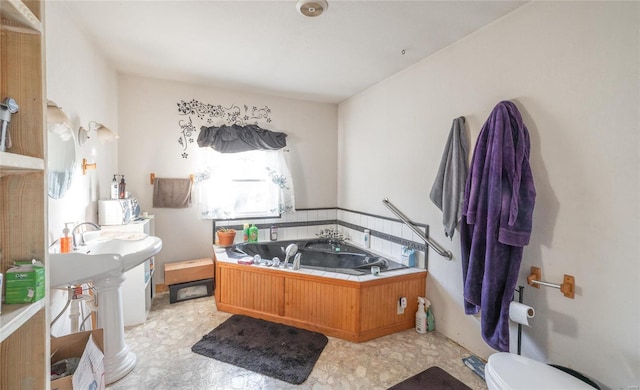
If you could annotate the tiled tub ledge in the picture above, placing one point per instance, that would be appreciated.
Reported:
(388, 235)
(350, 307)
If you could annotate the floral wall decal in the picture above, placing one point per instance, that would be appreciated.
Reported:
(212, 115)
(187, 134)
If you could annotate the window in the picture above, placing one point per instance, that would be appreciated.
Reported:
(242, 185)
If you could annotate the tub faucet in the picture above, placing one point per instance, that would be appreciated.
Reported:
(73, 233)
(291, 250)
(296, 262)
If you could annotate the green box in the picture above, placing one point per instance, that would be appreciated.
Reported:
(24, 283)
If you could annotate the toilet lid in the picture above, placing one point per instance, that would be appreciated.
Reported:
(512, 371)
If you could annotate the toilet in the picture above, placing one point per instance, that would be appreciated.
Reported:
(506, 371)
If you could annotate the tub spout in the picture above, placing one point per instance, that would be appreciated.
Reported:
(296, 261)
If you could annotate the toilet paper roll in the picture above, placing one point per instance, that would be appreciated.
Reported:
(521, 313)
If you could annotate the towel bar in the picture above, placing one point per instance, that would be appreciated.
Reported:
(439, 250)
(568, 286)
(152, 177)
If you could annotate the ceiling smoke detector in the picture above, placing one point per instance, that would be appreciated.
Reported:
(312, 8)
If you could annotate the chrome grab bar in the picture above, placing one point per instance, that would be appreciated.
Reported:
(432, 244)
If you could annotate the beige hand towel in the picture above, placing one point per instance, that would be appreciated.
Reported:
(171, 193)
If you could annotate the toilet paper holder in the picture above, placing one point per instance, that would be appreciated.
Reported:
(568, 286)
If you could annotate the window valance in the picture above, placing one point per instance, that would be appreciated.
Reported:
(235, 138)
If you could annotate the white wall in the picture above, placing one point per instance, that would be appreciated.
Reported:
(148, 143)
(85, 86)
(573, 70)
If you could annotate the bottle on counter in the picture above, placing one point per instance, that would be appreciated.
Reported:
(122, 191)
(366, 237)
(114, 188)
(245, 232)
(253, 233)
(273, 233)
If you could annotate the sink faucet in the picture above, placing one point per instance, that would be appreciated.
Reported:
(73, 233)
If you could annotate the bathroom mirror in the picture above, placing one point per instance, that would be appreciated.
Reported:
(61, 158)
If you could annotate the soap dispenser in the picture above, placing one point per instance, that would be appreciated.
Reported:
(65, 241)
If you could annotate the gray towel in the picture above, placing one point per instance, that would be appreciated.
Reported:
(448, 188)
(171, 193)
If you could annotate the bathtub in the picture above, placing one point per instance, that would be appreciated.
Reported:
(319, 254)
(333, 292)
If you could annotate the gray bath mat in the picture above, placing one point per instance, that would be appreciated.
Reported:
(279, 351)
(434, 378)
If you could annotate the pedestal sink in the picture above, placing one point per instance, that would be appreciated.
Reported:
(104, 261)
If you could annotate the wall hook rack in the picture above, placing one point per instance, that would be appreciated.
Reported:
(86, 166)
(568, 286)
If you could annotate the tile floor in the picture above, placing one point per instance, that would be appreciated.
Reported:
(165, 361)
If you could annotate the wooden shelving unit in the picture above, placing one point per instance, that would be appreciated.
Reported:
(24, 329)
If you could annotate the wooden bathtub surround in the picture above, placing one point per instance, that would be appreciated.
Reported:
(349, 310)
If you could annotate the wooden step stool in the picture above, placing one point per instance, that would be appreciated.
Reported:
(192, 274)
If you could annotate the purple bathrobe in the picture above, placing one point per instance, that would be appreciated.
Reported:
(496, 220)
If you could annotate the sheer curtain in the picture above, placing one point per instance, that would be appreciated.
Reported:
(241, 185)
